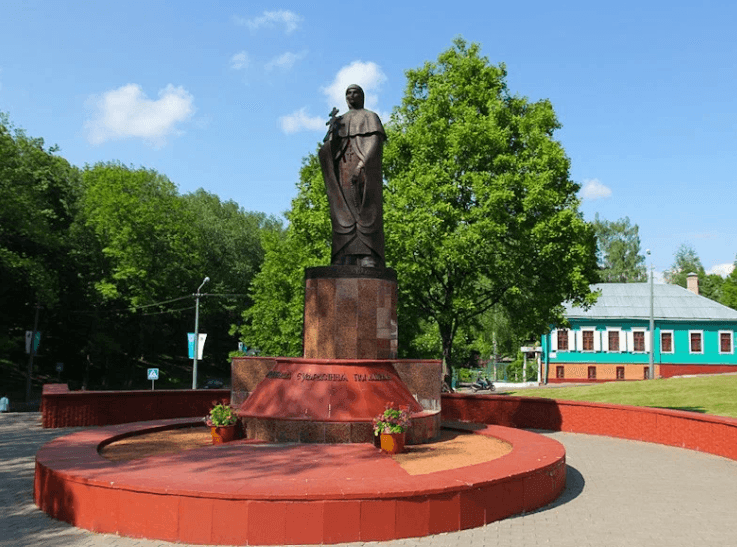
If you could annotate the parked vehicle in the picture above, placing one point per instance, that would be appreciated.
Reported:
(483, 384)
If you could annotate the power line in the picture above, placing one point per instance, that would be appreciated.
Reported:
(167, 311)
(144, 306)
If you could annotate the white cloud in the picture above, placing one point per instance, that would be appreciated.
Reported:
(289, 19)
(300, 120)
(368, 75)
(285, 61)
(721, 269)
(239, 61)
(127, 112)
(593, 189)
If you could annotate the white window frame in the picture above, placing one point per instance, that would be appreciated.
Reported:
(597, 339)
(690, 349)
(618, 349)
(719, 342)
(672, 341)
(631, 340)
(554, 341)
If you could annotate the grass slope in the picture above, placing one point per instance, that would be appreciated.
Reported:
(707, 394)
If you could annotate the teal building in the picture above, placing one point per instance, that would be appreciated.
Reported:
(612, 340)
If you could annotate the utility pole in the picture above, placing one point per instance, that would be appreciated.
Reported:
(197, 332)
(651, 370)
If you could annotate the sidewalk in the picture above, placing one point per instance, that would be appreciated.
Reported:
(619, 493)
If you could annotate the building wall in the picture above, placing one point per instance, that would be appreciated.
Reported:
(680, 361)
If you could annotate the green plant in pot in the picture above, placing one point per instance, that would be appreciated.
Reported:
(391, 426)
(221, 420)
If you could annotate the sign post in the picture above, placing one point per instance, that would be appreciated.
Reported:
(153, 375)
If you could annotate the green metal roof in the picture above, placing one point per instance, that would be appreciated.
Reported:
(632, 301)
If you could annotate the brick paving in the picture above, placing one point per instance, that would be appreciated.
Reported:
(619, 493)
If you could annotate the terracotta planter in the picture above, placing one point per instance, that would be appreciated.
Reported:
(392, 443)
(222, 434)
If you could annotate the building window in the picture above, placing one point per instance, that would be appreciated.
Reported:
(638, 341)
(695, 341)
(560, 372)
(620, 373)
(562, 340)
(666, 341)
(725, 341)
(588, 340)
(592, 373)
(646, 373)
(613, 340)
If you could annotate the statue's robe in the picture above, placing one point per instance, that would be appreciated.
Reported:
(356, 207)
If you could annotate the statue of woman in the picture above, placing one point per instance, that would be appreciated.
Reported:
(351, 166)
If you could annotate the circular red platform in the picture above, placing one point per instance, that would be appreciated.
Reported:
(245, 492)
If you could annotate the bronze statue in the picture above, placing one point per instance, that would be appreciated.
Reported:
(351, 166)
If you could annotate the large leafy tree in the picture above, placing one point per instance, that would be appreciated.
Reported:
(480, 208)
(685, 261)
(273, 324)
(38, 196)
(729, 289)
(618, 251)
(228, 244)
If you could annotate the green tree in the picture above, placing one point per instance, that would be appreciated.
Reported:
(145, 231)
(38, 198)
(618, 251)
(685, 261)
(480, 209)
(729, 289)
(229, 246)
(273, 323)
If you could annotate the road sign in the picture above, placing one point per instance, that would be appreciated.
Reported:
(59, 367)
(153, 374)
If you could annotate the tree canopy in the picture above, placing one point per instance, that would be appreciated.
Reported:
(273, 324)
(685, 261)
(111, 254)
(480, 207)
(729, 289)
(618, 251)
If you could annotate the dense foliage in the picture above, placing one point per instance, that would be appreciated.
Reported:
(110, 256)
(480, 208)
(618, 251)
(686, 261)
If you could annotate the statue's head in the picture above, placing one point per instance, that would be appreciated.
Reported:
(354, 97)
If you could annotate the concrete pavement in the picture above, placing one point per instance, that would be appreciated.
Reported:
(619, 493)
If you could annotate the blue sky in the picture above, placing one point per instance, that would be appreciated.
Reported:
(230, 96)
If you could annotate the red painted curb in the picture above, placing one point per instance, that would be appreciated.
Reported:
(244, 492)
(685, 429)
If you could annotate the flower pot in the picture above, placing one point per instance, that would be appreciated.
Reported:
(392, 443)
(222, 434)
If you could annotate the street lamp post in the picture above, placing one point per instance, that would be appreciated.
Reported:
(197, 332)
(651, 370)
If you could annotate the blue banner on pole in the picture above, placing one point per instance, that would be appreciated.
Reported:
(190, 344)
(200, 344)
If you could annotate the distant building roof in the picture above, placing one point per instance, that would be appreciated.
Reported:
(632, 300)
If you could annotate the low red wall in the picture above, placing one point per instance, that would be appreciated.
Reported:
(61, 408)
(703, 432)
(668, 371)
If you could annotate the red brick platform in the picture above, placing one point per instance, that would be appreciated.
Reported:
(246, 492)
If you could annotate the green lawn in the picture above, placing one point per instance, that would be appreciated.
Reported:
(708, 394)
